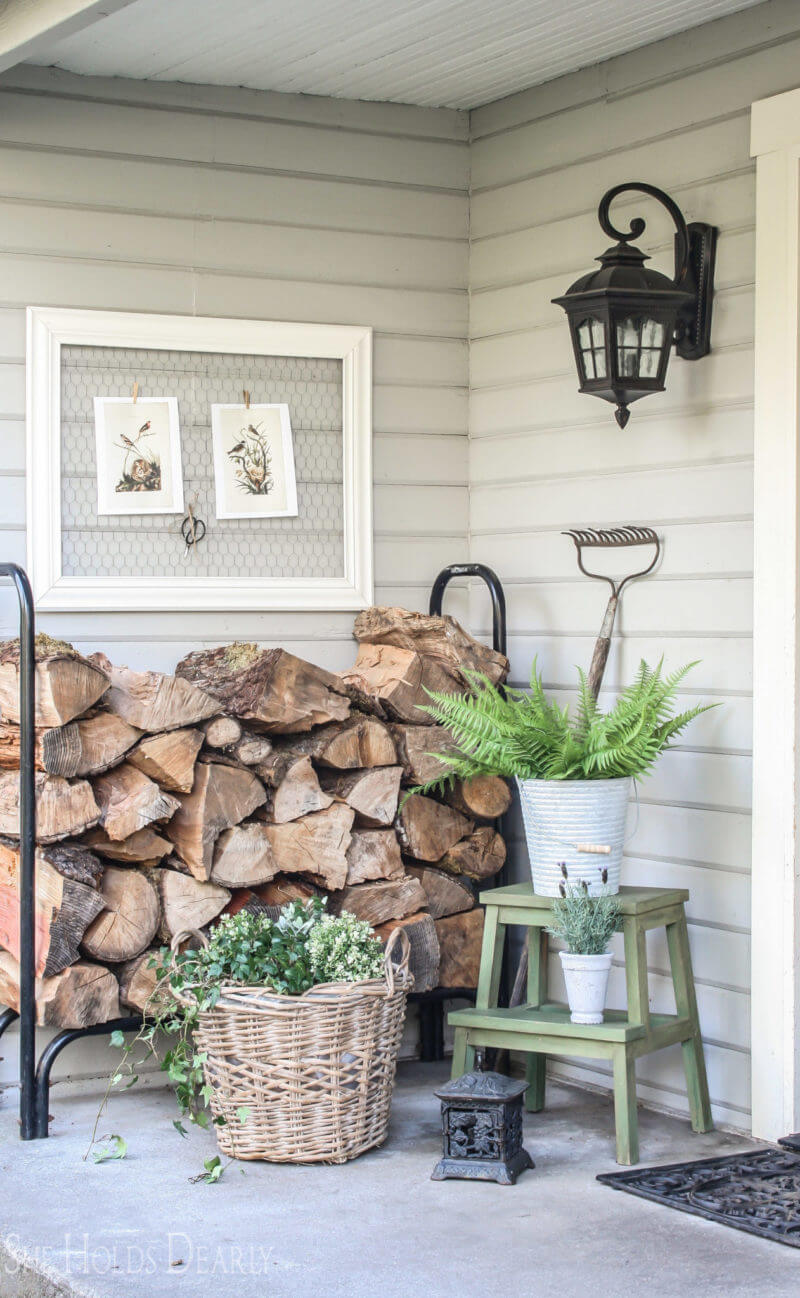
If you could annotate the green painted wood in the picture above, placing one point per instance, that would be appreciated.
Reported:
(491, 960)
(551, 1019)
(625, 1115)
(633, 901)
(638, 991)
(694, 1063)
(536, 1064)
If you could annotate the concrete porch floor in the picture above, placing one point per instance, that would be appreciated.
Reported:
(377, 1226)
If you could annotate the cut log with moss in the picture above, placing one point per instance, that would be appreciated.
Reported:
(67, 684)
(460, 939)
(82, 747)
(423, 960)
(67, 901)
(484, 797)
(130, 801)
(380, 901)
(315, 846)
(480, 856)
(129, 921)
(78, 997)
(153, 701)
(373, 793)
(145, 847)
(186, 902)
(222, 796)
(418, 750)
(373, 854)
(243, 856)
(64, 808)
(427, 829)
(444, 894)
(358, 742)
(438, 638)
(267, 688)
(293, 787)
(169, 758)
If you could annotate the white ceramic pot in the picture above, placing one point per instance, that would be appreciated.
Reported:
(586, 977)
(564, 817)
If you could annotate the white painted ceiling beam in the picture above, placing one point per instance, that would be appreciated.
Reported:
(27, 26)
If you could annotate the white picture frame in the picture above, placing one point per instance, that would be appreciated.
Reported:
(131, 438)
(250, 428)
(51, 328)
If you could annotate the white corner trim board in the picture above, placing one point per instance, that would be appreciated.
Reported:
(48, 329)
(775, 142)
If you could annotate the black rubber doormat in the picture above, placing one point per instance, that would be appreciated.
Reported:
(757, 1192)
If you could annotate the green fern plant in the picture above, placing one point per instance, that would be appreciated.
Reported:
(522, 734)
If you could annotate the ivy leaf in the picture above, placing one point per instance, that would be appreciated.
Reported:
(117, 1038)
(243, 1114)
(111, 1148)
(214, 1169)
(179, 1127)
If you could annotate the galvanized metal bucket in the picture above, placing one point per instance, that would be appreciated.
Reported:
(572, 822)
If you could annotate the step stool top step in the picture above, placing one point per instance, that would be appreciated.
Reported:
(632, 901)
(553, 1020)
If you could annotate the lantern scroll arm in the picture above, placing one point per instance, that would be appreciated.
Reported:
(637, 225)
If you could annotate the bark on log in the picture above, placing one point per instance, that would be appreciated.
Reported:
(129, 921)
(373, 854)
(67, 901)
(378, 902)
(138, 981)
(315, 846)
(460, 938)
(293, 788)
(485, 797)
(427, 829)
(418, 748)
(129, 801)
(373, 793)
(441, 639)
(247, 899)
(423, 960)
(268, 688)
(358, 742)
(64, 808)
(66, 683)
(221, 796)
(243, 857)
(445, 895)
(479, 857)
(82, 747)
(78, 997)
(152, 701)
(281, 890)
(169, 758)
(145, 847)
(187, 902)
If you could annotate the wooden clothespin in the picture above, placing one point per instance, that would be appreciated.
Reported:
(246, 396)
(135, 391)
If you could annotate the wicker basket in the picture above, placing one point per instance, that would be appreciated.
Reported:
(315, 1071)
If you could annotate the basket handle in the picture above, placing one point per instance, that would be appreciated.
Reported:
(391, 969)
(173, 946)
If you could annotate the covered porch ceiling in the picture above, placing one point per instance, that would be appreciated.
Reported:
(450, 53)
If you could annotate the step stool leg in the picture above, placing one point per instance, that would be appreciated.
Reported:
(463, 1054)
(694, 1063)
(627, 1122)
(491, 960)
(536, 1064)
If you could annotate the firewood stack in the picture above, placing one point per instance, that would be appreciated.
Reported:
(248, 778)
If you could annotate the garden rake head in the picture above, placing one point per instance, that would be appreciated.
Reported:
(613, 538)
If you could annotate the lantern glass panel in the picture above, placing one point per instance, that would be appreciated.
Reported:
(640, 342)
(592, 348)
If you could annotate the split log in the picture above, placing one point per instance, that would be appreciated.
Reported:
(222, 732)
(152, 701)
(251, 749)
(186, 902)
(484, 797)
(243, 857)
(82, 747)
(145, 847)
(444, 894)
(77, 997)
(64, 808)
(423, 960)
(378, 902)
(129, 801)
(427, 829)
(66, 683)
(373, 854)
(373, 793)
(358, 742)
(169, 758)
(280, 891)
(315, 845)
(221, 796)
(138, 980)
(67, 901)
(418, 749)
(129, 921)
(269, 688)
(479, 857)
(293, 788)
(440, 639)
(460, 938)
(399, 679)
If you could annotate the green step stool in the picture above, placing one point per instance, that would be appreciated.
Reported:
(541, 1027)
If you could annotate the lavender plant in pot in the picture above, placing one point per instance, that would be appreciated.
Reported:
(585, 924)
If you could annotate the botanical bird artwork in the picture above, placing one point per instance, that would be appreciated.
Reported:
(141, 467)
(252, 459)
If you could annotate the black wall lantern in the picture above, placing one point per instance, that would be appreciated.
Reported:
(625, 318)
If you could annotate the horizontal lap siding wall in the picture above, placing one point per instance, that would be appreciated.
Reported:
(206, 201)
(544, 458)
